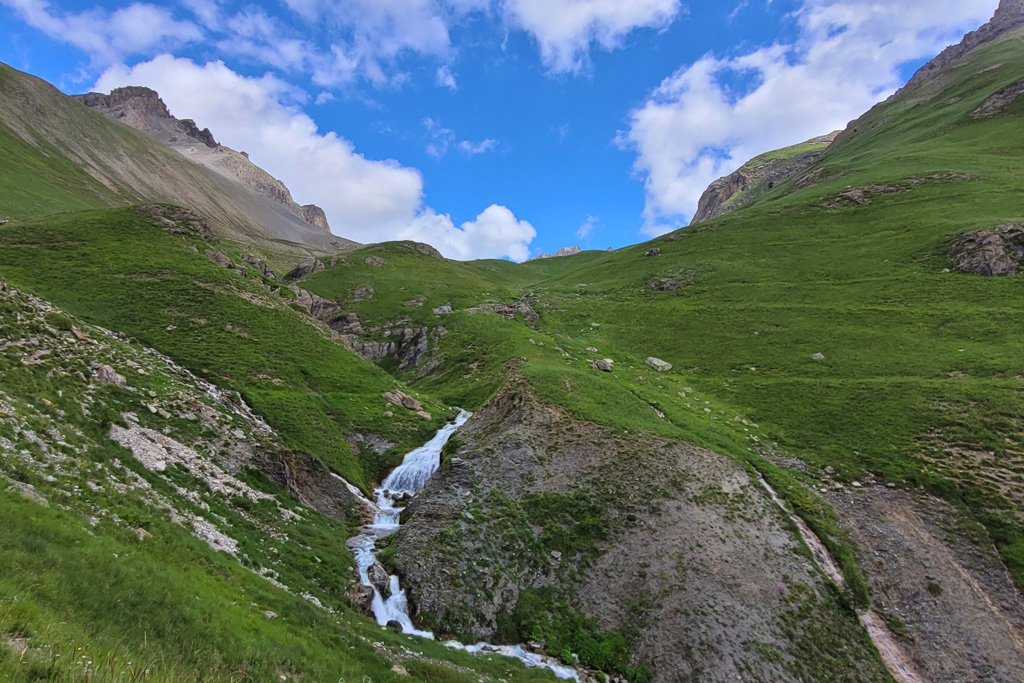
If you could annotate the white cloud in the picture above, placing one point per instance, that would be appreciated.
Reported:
(696, 126)
(496, 233)
(586, 227)
(107, 37)
(475, 148)
(370, 35)
(446, 79)
(565, 29)
(365, 200)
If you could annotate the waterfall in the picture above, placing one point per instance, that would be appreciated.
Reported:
(406, 481)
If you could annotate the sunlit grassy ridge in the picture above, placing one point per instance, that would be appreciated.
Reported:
(910, 350)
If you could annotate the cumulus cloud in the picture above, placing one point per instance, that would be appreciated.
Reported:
(565, 29)
(698, 125)
(137, 29)
(366, 200)
(496, 233)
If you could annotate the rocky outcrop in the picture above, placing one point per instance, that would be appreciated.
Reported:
(567, 510)
(509, 311)
(143, 109)
(306, 267)
(758, 176)
(1008, 16)
(564, 251)
(995, 252)
(315, 216)
(999, 101)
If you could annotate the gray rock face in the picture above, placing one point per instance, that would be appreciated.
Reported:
(315, 216)
(658, 364)
(142, 109)
(997, 252)
(307, 267)
(757, 176)
(999, 101)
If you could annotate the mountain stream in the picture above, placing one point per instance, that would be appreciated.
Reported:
(404, 482)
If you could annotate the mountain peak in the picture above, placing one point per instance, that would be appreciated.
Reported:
(564, 251)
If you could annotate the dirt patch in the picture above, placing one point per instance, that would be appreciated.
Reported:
(947, 594)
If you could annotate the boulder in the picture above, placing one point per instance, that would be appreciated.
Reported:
(270, 615)
(818, 357)
(106, 375)
(428, 250)
(29, 492)
(658, 364)
(604, 365)
(995, 252)
(375, 261)
(362, 294)
(653, 252)
(443, 310)
(411, 403)
(262, 267)
(379, 579)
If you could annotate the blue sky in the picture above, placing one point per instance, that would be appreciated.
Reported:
(496, 128)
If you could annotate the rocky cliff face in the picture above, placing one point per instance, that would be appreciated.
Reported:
(143, 109)
(758, 176)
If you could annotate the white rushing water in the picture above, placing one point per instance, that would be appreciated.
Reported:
(404, 482)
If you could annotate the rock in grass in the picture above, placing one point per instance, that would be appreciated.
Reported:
(818, 357)
(653, 252)
(658, 364)
(602, 365)
(29, 492)
(106, 375)
(270, 615)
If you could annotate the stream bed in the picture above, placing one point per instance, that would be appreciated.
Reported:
(404, 482)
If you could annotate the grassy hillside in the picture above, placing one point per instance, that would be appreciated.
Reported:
(921, 377)
(116, 269)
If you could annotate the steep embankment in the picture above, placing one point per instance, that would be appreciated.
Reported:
(59, 155)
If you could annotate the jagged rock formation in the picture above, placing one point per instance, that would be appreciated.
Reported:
(564, 251)
(758, 176)
(997, 252)
(143, 109)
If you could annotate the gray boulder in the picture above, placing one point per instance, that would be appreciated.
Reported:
(658, 364)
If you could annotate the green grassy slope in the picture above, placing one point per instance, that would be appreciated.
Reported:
(114, 268)
(918, 361)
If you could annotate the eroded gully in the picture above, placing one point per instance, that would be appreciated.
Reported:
(403, 483)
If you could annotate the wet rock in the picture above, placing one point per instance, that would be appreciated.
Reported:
(394, 626)
(106, 375)
(363, 598)
(379, 579)
(658, 364)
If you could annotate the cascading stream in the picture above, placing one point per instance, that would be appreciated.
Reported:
(403, 483)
